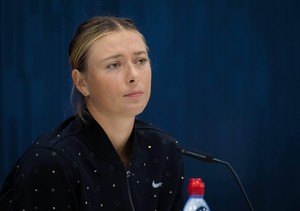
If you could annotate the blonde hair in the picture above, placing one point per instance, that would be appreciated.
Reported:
(86, 34)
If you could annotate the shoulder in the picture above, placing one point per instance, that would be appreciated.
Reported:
(61, 140)
(40, 159)
(48, 155)
(143, 127)
(153, 136)
(52, 148)
(64, 130)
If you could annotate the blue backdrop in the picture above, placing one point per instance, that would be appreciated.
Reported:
(225, 80)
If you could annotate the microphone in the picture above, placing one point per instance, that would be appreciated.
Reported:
(210, 159)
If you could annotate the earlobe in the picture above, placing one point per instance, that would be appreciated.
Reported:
(79, 82)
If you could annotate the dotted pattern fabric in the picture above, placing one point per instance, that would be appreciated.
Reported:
(75, 167)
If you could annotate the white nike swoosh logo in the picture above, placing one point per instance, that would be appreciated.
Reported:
(156, 185)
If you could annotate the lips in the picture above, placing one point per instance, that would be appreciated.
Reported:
(135, 93)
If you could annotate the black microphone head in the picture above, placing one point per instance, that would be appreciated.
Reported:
(197, 155)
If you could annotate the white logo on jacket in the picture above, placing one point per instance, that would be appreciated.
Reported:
(156, 185)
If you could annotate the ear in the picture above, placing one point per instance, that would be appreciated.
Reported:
(79, 80)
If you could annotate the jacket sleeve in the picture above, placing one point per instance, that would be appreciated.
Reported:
(41, 180)
(179, 197)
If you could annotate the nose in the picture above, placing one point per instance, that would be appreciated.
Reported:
(132, 74)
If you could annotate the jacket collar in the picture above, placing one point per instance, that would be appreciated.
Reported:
(96, 138)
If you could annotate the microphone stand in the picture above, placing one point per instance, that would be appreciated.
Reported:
(210, 159)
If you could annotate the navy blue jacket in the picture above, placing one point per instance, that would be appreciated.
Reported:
(75, 167)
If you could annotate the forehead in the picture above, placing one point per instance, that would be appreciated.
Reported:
(118, 42)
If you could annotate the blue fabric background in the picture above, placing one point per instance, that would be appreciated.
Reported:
(225, 81)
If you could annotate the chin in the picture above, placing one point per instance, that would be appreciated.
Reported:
(134, 111)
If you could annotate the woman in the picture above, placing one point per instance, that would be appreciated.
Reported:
(102, 158)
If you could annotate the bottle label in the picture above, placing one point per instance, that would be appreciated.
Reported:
(202, 209)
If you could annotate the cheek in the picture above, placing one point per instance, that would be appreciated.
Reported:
(149, 78)
(146, 74)
(95, 84)
(107, 87)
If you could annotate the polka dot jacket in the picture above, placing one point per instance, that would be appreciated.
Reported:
(75, 167)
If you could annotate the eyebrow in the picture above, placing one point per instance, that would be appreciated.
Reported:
(120, 55)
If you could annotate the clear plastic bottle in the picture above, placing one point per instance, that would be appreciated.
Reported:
(196, 200)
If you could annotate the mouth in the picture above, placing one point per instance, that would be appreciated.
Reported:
(135, 93)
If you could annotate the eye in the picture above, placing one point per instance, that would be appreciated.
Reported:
(141, 61)
(113, 65)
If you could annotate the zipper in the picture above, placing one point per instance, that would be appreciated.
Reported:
(128, 175)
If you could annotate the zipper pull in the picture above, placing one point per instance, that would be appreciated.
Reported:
(128, 174)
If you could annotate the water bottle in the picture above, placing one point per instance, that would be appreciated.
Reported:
(196, 200)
